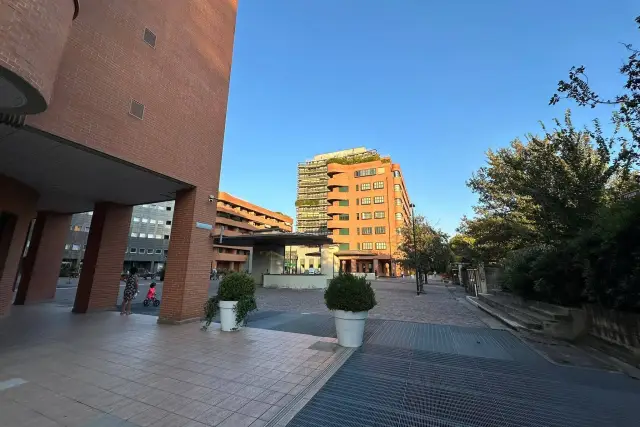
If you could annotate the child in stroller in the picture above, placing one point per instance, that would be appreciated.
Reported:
(151, 296)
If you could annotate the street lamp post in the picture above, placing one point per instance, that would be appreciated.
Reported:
(415, 246)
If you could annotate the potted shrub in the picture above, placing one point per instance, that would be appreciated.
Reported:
(350, 298)
(235, 300)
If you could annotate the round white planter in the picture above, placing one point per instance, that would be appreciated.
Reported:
(350, 327)
(228, 316)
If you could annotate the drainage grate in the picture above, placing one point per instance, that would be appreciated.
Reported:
(431, 375)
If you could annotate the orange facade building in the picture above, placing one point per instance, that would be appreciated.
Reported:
(236, 217)
(368, 206)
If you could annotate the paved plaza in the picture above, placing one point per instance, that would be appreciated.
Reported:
(430, 360)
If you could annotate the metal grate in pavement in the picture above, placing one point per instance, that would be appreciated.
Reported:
(431, 375)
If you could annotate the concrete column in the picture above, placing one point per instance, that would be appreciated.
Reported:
(41, 266)
(186, 285)
(375, 266)
(151, 267)
(232, 266)
(99, 281)
(353, 265)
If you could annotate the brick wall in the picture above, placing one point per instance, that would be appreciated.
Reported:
(33, 34)
(20, 200)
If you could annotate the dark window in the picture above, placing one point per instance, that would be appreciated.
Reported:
(396, 174)
(133, 250)
(358, 216)
(358, 230)
(168, 208)
(357, 187)
(381, 230)
(136, 109)
(366, 231)
(166, 237)
(344, 217)
(149, 37)
(344, 232)
(343, 203)
(365, 172)
(168, 222)
(343, 189)
(342, 247)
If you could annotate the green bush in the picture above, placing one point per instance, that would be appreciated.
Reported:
(350, 293)
(236, 286)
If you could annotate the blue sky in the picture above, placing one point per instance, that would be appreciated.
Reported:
(434, 84)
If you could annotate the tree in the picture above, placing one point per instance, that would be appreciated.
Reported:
(627, 102)
(433, 251)
(547, 189)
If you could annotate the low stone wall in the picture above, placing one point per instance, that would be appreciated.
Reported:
(616, 327)
(295, 281)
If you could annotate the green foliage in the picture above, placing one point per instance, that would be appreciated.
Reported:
(354, 160)
(307, 202)
(431, 245)
(234, 287)
(627, 102)
(349, 293)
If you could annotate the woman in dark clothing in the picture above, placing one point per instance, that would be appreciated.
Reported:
(130, 290)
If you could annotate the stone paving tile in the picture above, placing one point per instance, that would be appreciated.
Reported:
(238, 420)
(214, 416)
(255, 409)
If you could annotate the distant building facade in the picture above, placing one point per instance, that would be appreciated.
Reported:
(150, 233)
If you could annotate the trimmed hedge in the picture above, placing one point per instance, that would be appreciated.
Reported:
(349, 293)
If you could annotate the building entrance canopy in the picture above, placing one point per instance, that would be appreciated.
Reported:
(276, 239)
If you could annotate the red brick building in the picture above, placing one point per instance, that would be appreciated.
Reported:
(105, 105)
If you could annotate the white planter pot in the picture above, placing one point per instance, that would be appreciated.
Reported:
(228, 316)
(350, 327)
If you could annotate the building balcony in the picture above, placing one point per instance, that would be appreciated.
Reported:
(337, 195)
(217, 256)
(339, 180)
(334, 224)
(336, 168)
(336, 209)
(234, 223)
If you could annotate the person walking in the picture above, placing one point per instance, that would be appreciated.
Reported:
(130, 291)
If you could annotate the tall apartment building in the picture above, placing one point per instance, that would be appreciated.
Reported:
(368, 206)
(150, 233)
(311, 201)
(105, 105)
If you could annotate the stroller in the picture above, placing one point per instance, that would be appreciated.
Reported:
(151, 296)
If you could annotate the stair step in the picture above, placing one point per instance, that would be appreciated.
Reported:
(499, 314)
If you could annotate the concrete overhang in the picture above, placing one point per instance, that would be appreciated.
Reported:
(276, 239)
(71, 178)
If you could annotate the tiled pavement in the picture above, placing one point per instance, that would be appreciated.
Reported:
(99, 370)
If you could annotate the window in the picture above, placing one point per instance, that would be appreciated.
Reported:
(136, 219)
(344, 246)
(366, 231)
(357, 187)
(67, 247)
(166, 252)
(76, 228)
(344, 232)
(75, 247)
(152, 221)
(378, 185)
(396, 174)
(133, 250)
(145, 220)
(398, 230)
(396, 187)
(378, 200)
(358, 216)
(143, 235)
(166, 237)
(158, 236)
(367, 246)
(399, 216)
(168, 208)
(365, 172)
(344, 217)
(343, 203)
(358, 231)
(150, 236)
(85, 228)
(380, 171)
(168, 222)
(378, 214)
(366, 186)
(160, 222)
(343, 189)
(381, 245)
(150, 251)
(134, 234)
(366, 215)
(381, 230)
(357, 202)
(141, 250)
(365, 201)
(398, 202)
